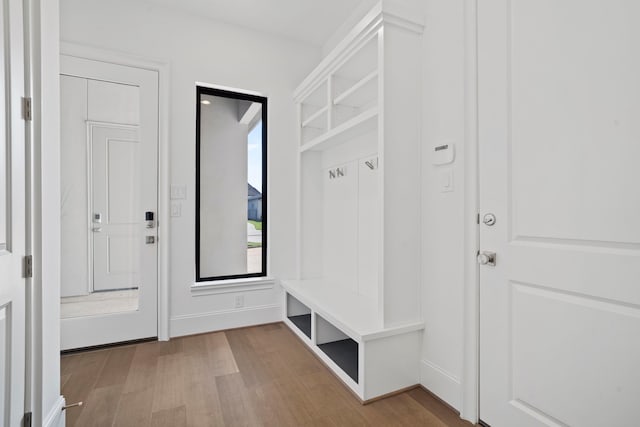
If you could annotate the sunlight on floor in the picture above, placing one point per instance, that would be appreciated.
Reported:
(99, 303)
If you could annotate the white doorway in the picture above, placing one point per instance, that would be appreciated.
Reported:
(559, 138)
(109, 202)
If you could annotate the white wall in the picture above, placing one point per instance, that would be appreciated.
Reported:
(223, 184)
(443, 213)
(202, 50)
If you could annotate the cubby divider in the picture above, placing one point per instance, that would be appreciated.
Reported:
(299, 314)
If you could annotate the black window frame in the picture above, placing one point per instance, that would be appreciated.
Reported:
(203, 90)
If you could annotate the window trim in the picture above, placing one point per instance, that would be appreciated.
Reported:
(203, 90)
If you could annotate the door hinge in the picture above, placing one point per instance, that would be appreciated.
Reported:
(28, 266)
(478, 218)
(27, 419)
(26, 108)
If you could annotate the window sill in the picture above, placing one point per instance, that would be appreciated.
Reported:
(232, 285)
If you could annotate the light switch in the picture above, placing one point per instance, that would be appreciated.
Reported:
(178, 192)
(176, 209)
(445, 178)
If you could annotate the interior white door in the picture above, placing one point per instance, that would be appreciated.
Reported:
(109, 182)
(12, 217)
(559, 101)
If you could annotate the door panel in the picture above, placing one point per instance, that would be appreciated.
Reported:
(575, 121)
(559, 99)
(13, 225)
(113, 103)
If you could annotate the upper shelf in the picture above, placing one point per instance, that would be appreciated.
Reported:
(360, 93)
(398, 14)
(316, 117)
(360, 124)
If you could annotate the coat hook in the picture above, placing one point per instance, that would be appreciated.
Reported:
(372, 164)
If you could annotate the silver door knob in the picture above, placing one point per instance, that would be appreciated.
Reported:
(487, 258)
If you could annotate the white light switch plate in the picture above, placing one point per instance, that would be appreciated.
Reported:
(445, 180)
(178, 192)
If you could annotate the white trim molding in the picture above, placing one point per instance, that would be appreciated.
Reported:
(56, 416)
(163, 224)
(233, 285)
(190, 324)
(470, 399)
(440, 382)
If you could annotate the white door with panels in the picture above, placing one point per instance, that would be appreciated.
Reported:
(13, 225)
(559, 135)
(109, 161)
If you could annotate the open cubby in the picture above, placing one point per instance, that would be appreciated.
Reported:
(299, 314)
(341, 349)
(314, 119)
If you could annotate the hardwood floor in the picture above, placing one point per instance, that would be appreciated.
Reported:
(259, 376)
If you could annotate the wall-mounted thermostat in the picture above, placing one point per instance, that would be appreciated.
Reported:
(443, 153)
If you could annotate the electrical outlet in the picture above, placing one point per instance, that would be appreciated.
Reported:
(239, 301)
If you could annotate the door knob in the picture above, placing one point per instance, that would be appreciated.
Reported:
(96, 229)
(487, 258)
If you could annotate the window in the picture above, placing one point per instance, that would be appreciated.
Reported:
(231, 183)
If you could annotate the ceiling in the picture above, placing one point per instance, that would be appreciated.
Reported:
(309, 21)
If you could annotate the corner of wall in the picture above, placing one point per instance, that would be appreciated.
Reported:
(443, 384)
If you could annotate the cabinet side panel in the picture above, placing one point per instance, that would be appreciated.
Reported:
(402, 174)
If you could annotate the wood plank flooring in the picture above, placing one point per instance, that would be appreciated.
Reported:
(258, 376)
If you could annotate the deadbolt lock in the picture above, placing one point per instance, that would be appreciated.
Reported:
(489, 219)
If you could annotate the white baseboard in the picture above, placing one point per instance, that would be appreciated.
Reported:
(441, 383)
(227, 319)
(56, 416)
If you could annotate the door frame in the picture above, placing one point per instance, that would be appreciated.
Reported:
(164, 222)
(470, 406)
